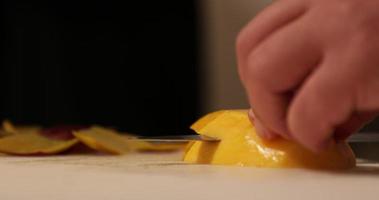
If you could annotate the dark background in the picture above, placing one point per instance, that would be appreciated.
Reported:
(125, 64)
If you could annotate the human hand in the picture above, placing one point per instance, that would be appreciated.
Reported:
(311, 69)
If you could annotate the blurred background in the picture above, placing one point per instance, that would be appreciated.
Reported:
(150, 68)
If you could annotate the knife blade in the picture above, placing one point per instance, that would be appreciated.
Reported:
(176, 138)
(363, 137)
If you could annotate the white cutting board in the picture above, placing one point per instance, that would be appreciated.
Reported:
(163, 176)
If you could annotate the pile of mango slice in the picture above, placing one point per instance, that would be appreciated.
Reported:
(37, 141)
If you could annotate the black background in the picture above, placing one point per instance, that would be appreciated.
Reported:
(125, 64)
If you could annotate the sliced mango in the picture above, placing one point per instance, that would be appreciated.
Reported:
(33, 143)
(241, 146)
(104, 140)
(110, 141)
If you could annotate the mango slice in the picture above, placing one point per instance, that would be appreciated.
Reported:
(33, 143)
(241, 146)
(110, 141)
(104, 140)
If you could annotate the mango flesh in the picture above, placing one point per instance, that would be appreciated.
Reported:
(240, 145)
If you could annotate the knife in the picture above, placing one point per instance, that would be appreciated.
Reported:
(364, 137)
(176, 138)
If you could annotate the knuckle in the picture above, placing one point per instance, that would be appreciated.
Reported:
(241, 43)
(258, 68)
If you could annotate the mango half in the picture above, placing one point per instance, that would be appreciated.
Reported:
(239, 145)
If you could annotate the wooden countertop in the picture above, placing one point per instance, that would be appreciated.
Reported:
(163, 176)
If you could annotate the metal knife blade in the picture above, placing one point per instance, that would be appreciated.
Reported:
(356, 138)
(176, 138)
(364, 137)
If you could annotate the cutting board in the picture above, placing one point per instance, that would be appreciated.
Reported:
(163, 176)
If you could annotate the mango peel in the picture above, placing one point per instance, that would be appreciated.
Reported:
(240, 145)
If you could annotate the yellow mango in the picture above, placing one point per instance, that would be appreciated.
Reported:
(33, 143)
(240, 145)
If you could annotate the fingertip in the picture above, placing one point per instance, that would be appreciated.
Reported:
(263, 132)
(260, 130)
(320, 146)
(251, 116)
